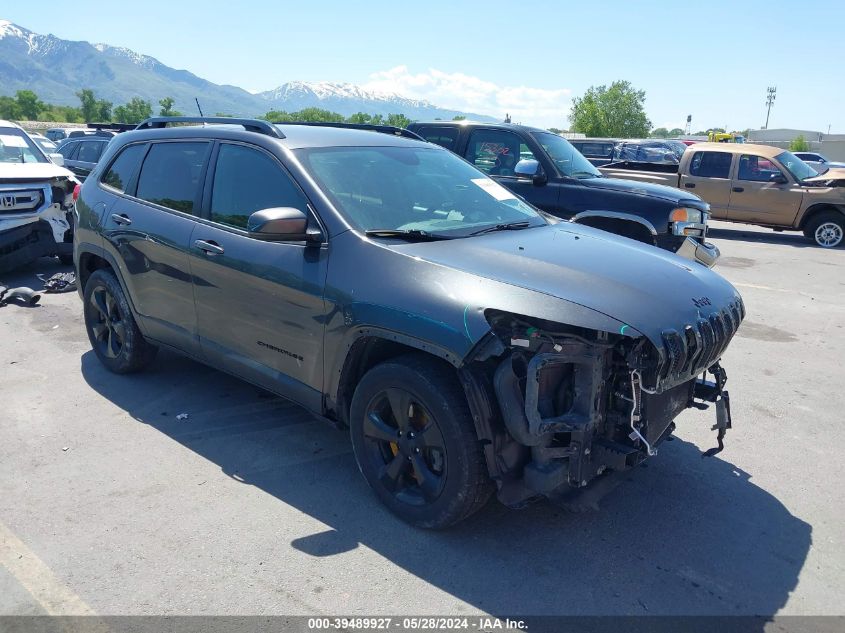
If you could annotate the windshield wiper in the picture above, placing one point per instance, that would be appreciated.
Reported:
(510, 226)
(407, 234)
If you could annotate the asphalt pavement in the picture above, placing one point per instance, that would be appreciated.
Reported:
(111, 504)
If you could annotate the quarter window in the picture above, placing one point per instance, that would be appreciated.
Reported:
(89, 151)
(711, 164)
(171, 173)
(68, 149)
(123, 167)
(245, 181)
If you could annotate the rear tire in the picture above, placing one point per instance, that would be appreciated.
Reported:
(114, 335)
(415, 442)
(826, 229)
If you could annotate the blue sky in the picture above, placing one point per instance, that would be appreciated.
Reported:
(712, 59)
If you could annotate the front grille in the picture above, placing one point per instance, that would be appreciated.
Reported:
(20, 200)
(697, 346)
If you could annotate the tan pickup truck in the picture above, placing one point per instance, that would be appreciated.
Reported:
(754, 184)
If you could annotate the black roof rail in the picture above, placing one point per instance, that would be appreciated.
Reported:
(114, 127)
(384, 129)
(250, 125)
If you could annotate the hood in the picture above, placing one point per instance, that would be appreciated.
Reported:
(646, 189)
(29, 172)
(642, 286)
(834, 173)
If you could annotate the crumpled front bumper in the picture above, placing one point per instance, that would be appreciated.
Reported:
(704, 253)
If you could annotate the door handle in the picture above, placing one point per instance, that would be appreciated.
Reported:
(738, 189)
(121, 218)
(689, 185)
(209, 247)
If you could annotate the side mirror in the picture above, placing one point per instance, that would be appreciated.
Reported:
(779, 179)
(530, 168)
(280, 224)
(57, 158)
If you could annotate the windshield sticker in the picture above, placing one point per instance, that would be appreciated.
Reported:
(494, 189)
(10, 140)
(493, 148)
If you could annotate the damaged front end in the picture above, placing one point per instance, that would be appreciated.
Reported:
(36, 218)
(575, 406)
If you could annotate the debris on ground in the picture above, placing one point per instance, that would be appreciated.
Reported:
(182, 416)
(60, 282)
(22, 296)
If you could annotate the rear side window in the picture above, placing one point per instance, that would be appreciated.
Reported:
(711, 164)
(443, 136)
(597, 150)
(124, 167)
(68, 149)
(247, 180)
(171, 174)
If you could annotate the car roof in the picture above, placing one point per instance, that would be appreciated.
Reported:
(495, 126)
(295, 136)
(740, 148)
(4, 123)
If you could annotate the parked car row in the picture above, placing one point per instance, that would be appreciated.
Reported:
(472, 343)
(755, 184)
(603, 151)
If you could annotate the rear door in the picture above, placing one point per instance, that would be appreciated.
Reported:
(708, 175)
(259, 304)
(149, 228)
(755, 198)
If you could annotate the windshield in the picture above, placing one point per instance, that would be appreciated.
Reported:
(17, 147)
(795, 166)
(566, 158)
(413, 189)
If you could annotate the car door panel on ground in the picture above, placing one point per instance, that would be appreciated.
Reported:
(151, 230)
(756, 198)
(710, 178)
(259, 303)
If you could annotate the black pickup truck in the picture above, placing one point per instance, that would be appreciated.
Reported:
(548, 172)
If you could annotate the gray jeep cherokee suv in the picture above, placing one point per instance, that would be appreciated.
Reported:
(468, 342)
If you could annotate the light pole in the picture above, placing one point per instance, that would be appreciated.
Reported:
(771, 93)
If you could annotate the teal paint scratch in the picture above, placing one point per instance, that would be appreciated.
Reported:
(466, 325)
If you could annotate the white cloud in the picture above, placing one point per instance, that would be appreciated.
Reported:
(532, 106)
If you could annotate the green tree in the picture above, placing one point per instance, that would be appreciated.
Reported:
(660, 132)
(676, 131)
(9, 109)
(556, 130)
(359, 118)
(398, 120)
(102, 110)
(29, 105)
(88, 104)
(167, 107)
(799, 144)
(459, 117)
(219, 114)
(617, 111)
(377, 119)
(134, 112)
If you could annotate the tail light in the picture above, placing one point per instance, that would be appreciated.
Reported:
(76, 189)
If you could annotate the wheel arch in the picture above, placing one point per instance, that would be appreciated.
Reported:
(819, 208)
(619, 223)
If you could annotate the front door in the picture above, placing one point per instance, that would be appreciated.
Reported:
(259, 304)
(496, 153)
(709, 178)
(756, 198)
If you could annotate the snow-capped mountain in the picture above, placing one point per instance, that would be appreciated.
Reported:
(56, 69)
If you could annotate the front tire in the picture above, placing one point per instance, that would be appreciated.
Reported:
(114, 335)
(415, 442)
(826, 229)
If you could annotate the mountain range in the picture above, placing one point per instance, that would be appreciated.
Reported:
(56, 69)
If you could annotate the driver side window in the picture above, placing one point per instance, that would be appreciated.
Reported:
(756, 169)
(496, 152)
(247, 180)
